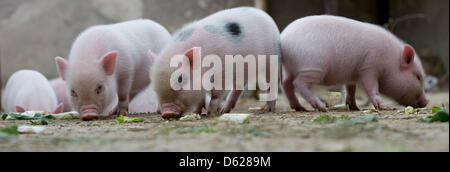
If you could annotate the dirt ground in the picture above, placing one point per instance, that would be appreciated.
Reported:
(284, 130)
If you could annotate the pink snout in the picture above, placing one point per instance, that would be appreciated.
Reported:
(423, 102)
(170, 110)
(89, 112)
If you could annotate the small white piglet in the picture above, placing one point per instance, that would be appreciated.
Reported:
(145, 102)
(29, 90)
(109, 64)
(329, 50)
(237, 31)
(59, 86)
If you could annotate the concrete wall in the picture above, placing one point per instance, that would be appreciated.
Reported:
(33, 33)
(429, 35)
(290, 10)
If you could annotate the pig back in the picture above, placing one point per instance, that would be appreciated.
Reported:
(31, 90)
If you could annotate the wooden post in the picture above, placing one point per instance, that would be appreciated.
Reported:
(261, 4)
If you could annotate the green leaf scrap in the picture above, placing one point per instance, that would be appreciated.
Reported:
(40, 122)
(361, 120)
(10, 131)
(439, 116)
(325, 119)
(124, 119)
(435, 109)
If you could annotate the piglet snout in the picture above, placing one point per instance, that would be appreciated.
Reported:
(423, 103)
(89, 112)
(170, 110)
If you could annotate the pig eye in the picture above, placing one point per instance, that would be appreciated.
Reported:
(418, 78)
(99, 89)
(73, 93)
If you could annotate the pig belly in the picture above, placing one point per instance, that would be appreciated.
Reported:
(335, 78)
(141, 79)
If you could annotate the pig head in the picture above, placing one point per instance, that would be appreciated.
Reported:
(92, 85)
(404, 79)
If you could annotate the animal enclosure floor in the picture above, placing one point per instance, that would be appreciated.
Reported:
(284, 130)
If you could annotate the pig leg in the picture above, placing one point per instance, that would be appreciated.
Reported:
(303, 84)
(231, 101)
(289, 91)
(350, 99)
(124, 83)
(271, 104)
(215, 105)
(370, 84)
(199, 108)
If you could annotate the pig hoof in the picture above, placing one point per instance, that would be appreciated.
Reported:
(320, 106)
(89, 117)
(270, 109)
(221, 112)
(353, 107)
(298, 108)
(171, 115)
(323, 110)
(382, 108)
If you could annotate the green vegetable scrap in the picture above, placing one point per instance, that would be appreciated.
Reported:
(410, 110)
(34, 115)
(345, 118)
(435, 109)
(325, 119)
(40, 122)
(191, 117)
(20, 116)
(440, 115)
(124, 119)
(362, 120)
(8, 132)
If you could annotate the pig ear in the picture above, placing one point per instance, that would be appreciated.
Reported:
(108, 61)
(194, 53)
(152, 55)
(20, 109)
(61, 64)
(407, 56)
(59, 109)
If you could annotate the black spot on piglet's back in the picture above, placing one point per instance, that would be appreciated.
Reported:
(233, 28)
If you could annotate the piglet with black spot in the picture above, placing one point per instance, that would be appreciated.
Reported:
(238, 31)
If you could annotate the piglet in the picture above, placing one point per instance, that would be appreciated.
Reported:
(109, 64)
(329, 50)
(29, 90)
(145, 102)
(238, 31)
(59, 87)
